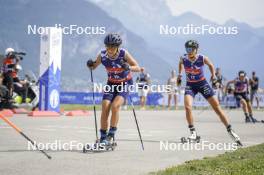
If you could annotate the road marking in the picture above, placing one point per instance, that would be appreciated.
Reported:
(43, 129)
(5, 127)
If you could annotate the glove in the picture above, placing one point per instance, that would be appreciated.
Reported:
(214, 80)
(124, 65)
(179, 80)
(90, 63)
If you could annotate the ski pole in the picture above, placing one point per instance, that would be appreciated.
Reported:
(24, 135)
(94, 109)
(134, 113)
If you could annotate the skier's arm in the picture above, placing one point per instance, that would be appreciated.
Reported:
(211, 67)
(228, 84)
(93, 64)
(134, 67)
(180, 67)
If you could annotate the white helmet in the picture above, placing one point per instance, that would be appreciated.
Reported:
(18, 67)
(9, 50)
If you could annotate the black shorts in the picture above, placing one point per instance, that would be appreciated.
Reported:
(202, 87)
(240, 96)
(115, 90)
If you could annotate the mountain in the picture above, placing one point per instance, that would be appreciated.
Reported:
(16, 31)
(231, 52)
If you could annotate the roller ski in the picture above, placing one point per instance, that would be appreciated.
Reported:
(101, 145)
(247, 120)
(250, 119)
(234, 136)
(254, 120)
(111, 143)
(193, 138)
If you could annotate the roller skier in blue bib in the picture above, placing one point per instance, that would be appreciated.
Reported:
(119, 65)
(193, 64)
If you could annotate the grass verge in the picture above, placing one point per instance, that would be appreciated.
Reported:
(243, 161)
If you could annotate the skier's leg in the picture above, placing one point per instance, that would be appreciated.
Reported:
(251, 97)
(115, 108)
(245, 109)
(208, 93)
(249, 107)
(244, 106)
(106, 105)
(188, 101)
(143, 102)
(175, 101)
(217, 108)
(257, 100)
(169, 100)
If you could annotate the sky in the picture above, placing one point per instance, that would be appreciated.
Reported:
(249, 11)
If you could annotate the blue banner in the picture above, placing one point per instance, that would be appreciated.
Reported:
(153, 99)
(87, 98)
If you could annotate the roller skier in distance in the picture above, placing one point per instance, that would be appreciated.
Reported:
(242, 95)
(193, 64)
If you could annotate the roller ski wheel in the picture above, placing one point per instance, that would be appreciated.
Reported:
(93, 147)
(111, 143)
(84, 149)
(238, 142)
(100, 146)
(183, 140)
(189, 140)
(253, 120)
(235, 137)
(111, 146)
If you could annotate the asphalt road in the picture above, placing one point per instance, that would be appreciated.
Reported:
(158, 128)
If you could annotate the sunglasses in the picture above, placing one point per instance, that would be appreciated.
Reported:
(190, 49)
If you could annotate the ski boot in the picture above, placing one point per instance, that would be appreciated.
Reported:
(234, 136)
(111, 143)
(99, 145)
(193, 138)
(253, 119)
(247, 120)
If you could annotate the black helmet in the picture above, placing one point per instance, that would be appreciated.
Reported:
(113, 39)
(241, 73)
(191, 44)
